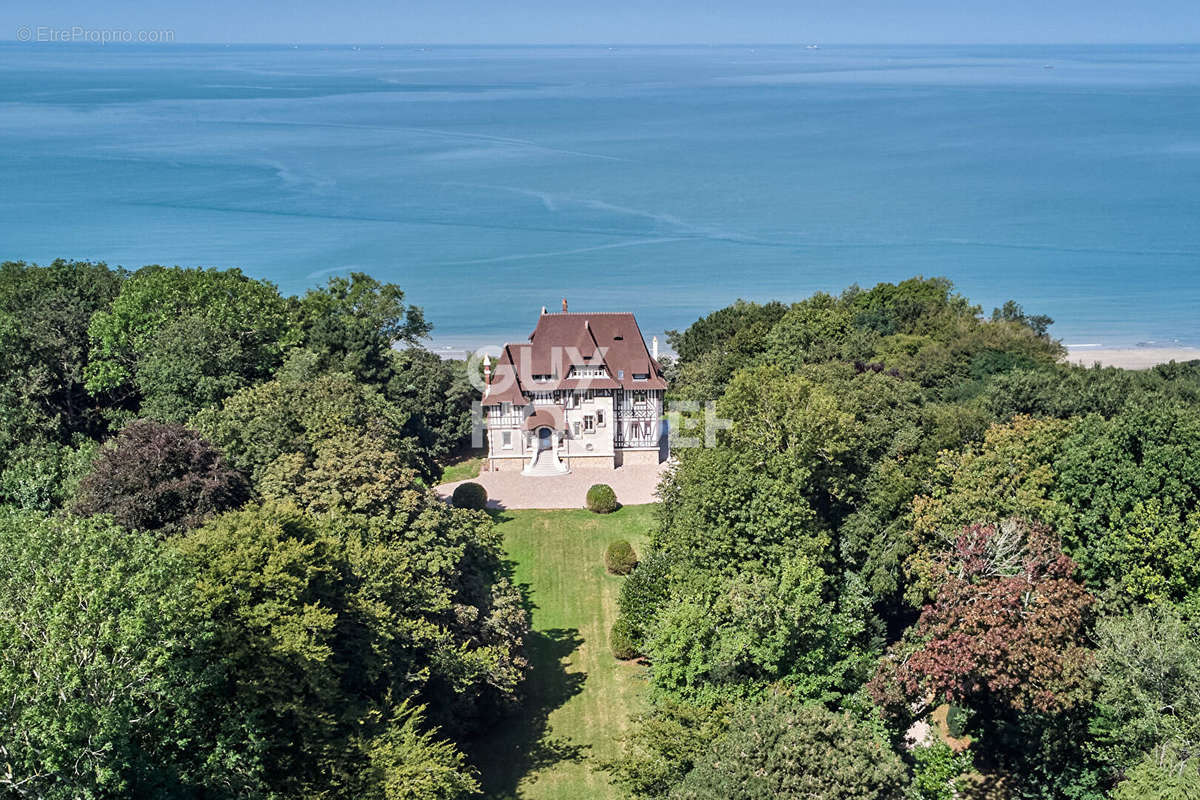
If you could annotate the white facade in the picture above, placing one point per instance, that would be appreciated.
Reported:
(590, 428)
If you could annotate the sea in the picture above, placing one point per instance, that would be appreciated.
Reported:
(489, 182)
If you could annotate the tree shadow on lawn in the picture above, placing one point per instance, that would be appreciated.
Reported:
(517, 745)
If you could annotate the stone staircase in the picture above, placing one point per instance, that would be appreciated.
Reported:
(545, 466)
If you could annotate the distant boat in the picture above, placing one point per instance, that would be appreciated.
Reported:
(814, 47)
(1047, 66)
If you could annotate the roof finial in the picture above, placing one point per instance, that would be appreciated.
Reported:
(564, 305)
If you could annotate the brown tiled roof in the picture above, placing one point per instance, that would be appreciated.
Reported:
(561, 341)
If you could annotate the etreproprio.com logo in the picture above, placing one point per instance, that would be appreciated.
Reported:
(79, 33)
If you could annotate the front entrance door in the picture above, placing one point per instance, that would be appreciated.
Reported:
(543, 439)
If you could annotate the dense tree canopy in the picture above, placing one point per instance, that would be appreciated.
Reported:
(353, 322)
(91, 619)
(919, 555)
(780, 749)
(980, 518)
(269, 604)
(44, 318)
(185, 338)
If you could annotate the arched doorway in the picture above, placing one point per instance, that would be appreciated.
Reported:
(544, 439)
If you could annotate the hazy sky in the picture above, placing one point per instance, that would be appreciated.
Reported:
(624, 21)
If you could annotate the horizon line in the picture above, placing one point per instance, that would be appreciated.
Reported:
(808, 43)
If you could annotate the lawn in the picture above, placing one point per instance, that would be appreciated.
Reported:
(464, 466)
(579, 699)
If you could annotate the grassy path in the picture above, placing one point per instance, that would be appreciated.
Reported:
(579, 698)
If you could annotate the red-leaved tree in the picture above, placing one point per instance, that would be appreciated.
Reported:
(1007, 627)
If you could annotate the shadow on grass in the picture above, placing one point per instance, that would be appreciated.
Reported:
(517, 745)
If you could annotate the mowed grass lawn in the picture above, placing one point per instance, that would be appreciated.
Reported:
(578, 699)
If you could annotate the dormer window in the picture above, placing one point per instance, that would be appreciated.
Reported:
(588, 372)
(641, 376)
(620, 374)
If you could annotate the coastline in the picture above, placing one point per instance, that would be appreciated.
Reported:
(1129, 357)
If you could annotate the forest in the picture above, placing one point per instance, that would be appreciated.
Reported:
(925, 560)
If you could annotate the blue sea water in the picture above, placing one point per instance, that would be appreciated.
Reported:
(491, 181)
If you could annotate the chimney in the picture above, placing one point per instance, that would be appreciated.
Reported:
(654, 347)
(564, 305)
(487, 370)
(543, 309)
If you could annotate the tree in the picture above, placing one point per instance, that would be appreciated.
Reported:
(1006, 628)
(288, 419)
(271, 616)
(1150, 780)
(723, 511)
(815, 331)
(1011, 311)
(353, 323)
(44, 476)
(91, 620)
(733, 637)
(44, 317)
(220, 328)
(435, 395)
(1148, 700)
(346, 473)
(160, 477)
(407, 761)
(663, 745)
(781, 750)
(315, 631)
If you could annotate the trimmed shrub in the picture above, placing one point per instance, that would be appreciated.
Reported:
(620, 640)
(619, 558)
(469, 495)
(602, 499)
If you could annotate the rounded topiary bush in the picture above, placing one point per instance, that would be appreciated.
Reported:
(602, 499)
(621, 640)
(469, 495)
(619, 558)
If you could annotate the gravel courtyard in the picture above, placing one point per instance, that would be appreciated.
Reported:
(634, 485)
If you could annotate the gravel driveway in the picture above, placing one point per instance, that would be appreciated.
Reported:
(634, 485)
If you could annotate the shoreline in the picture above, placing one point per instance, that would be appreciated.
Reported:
(1125, 357)
(1129, 357)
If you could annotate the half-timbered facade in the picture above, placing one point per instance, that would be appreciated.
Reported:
(583, 392)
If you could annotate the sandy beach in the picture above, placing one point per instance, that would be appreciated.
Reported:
(1130, 357)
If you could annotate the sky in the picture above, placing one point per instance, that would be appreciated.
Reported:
(620, 21)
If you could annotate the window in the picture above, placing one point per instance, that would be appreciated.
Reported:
(506, 440)
(639, 396)
(589, 424)
(600, 418)
(576, 428)
(641, 376)
(574, 399)
(505, 409)
(620, 374)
